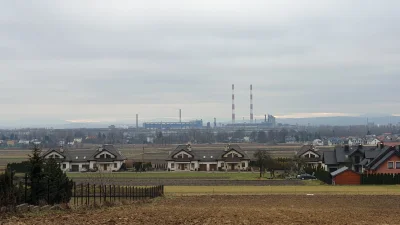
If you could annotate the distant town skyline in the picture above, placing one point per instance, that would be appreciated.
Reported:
(106, 61)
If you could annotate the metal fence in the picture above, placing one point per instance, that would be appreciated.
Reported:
(87, 194)
(21, 190)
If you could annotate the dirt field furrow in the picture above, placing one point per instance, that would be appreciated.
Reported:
(286, 209)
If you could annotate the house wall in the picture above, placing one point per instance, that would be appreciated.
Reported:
(347, 178)
(384, 167)
(67, 166)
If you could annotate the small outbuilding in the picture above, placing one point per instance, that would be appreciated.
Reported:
(345, 176)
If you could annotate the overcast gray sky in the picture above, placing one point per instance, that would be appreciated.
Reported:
(108, 60)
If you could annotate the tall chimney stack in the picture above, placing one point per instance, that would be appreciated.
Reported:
(180, 115)
(251, 103)
(215, 122)
(233, 103)
(265, 120)
(137, 121)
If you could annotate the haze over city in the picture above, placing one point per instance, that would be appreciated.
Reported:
(73, 61)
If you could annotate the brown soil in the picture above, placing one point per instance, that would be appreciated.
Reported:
(288, 209)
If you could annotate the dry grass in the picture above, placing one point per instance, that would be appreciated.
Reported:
(286, 209)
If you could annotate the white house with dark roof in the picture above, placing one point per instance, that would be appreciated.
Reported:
(186, 158)
(310, 155)
(105, 158)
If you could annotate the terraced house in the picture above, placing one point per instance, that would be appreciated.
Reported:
(186, 158)
(105, 158)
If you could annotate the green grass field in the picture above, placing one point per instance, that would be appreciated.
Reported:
(176, 175)
(262, 190)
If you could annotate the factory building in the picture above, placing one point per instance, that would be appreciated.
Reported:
(173, 125)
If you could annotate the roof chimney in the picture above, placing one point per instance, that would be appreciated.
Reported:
(381, 145)
(61, 149)
(346, 148)
(189, 147)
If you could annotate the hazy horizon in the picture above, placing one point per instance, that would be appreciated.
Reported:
(105, 61)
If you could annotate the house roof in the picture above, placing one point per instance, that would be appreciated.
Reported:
(339, 171)
(306, 148)
(364, 162)
(329, 158)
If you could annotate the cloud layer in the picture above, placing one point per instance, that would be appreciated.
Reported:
(99, 60)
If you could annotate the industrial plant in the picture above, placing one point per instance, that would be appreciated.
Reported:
(268, 122)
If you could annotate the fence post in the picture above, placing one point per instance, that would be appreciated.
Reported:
(110, 193)
(134, 193)
(119, 193)
(105, 193)
(101, 192)
(26, 187)
(88, 194)
(126, 192)
(94, 194)
(114, 192)
(48, 191)
(74, 193)
(81, 193)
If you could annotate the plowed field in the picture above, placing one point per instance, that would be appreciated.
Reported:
(273, 209)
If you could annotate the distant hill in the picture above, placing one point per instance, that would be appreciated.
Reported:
(341, 120)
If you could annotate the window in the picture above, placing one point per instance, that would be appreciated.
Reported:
(312, 156)
(357, 159)
(115, 165)
(390, 165)
(192, 165)
(397, 165)
(64, 166)
(243, 165)
(172, 165)
(56, 156)
(108, 156)
(222, 165)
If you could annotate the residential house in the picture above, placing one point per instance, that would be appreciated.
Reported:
(372, 141)
(23, 142)
(349, 156)
(383, 159)
(187, 158)
(336, 141)
(11, 143)
(78, 140)
(105, 158)
(318, 142)
(310, 155)
(355, 141)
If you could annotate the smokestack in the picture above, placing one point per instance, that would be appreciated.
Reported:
(265, 120)
(251, 103)
(137, 121)
(215, 122)
(233, 103)
(180, 115)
